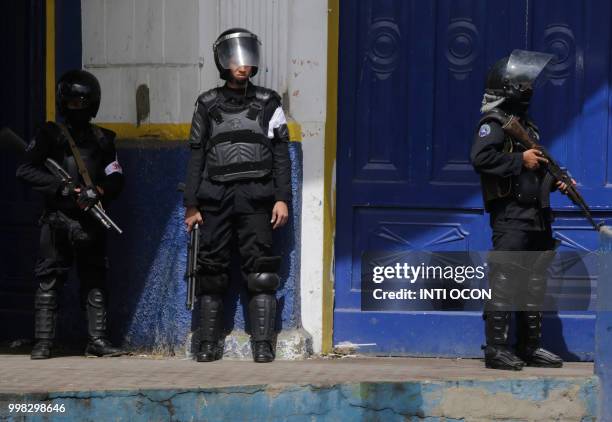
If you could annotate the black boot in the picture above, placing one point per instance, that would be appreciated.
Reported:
(262, 315)
(497, 353)
(98, 344)
(530, 339)
(45, 316)
(211, 314)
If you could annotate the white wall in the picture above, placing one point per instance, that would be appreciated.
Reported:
(307, 102)
(154, 42)
(167, 45)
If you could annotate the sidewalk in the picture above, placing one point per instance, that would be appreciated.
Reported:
(19, 374)
(132, 388)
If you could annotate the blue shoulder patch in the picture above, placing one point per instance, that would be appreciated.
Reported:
(484, 130)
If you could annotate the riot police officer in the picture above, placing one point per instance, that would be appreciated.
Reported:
(68, 233)
(237, 185)
(516, 193)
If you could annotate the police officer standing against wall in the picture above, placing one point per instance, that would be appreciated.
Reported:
(68, 232)
(238, 184)
(516, 192)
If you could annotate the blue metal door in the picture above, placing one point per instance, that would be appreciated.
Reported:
(411, 81)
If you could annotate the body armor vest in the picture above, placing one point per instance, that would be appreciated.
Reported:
(530, 188)
(92, 153)
(238, 147)
(92, 150)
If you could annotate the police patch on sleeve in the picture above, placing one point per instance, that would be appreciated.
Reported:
(484, 130)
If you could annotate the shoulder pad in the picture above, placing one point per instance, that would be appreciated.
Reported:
(104, 136)
(496, 115)
(208, 97)
(108, 134)
(265, 94)
(51, 129)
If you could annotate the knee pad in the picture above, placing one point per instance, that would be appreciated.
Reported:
(263, 278)
(51, 284)
(212, 283)
(95, 298)
(263, 282)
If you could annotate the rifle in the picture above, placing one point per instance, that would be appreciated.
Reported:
(15, 143)
(192, 261)
(515, 129)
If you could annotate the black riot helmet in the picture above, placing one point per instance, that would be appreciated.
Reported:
(78, 95)
(236, 47)
(515, 77)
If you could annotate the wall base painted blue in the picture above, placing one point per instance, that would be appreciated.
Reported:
(448, 401)
(146, 282)
(149, 261)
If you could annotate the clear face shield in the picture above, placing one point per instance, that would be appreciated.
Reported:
(238, 49)
(524, 69)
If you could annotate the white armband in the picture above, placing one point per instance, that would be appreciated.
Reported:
(278, 119)
(113, 167)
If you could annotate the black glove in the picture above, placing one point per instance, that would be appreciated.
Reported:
(66, 189)
(88, 197)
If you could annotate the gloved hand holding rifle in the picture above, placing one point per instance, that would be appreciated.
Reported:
(564, 181)
(87, 197)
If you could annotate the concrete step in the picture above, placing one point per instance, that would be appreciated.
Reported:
(348, 389)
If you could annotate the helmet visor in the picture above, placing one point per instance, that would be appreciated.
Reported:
(79, 103)
(525, 67)
(238, 49)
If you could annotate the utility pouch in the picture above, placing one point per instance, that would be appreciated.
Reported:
(526, 188)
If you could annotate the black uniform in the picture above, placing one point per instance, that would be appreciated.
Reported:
(68, 233)
(238, 168)
(520, 216)
(244, 204)
(499, 160)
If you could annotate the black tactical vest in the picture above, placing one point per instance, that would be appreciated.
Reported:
(238, 147)
(92, 152)
(530, 188)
